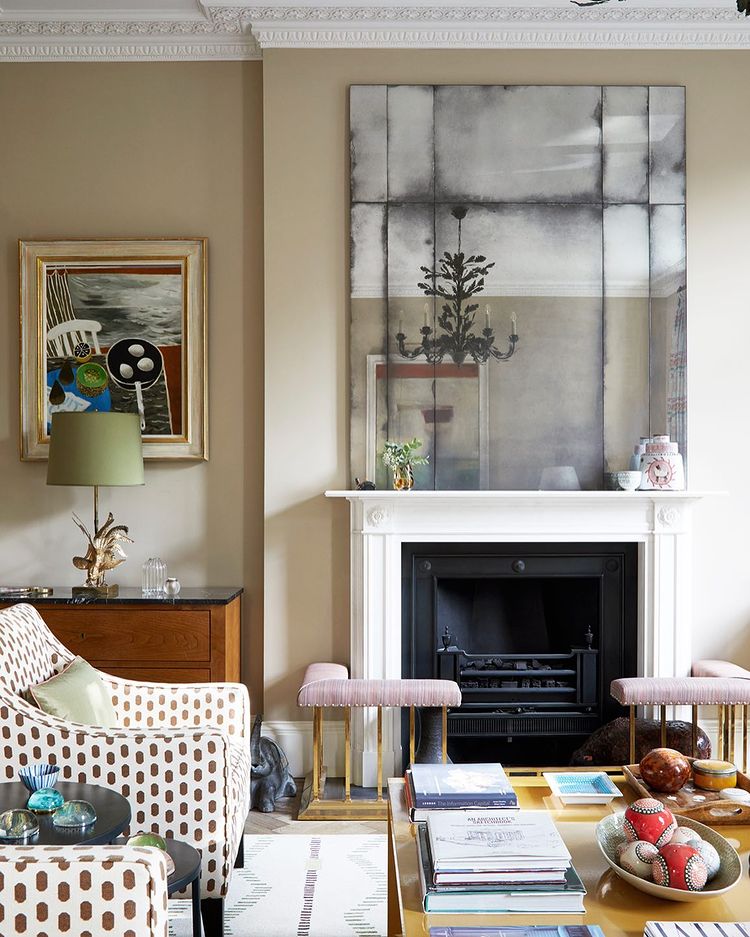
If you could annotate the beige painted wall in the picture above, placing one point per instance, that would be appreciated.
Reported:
(145, 149)
(306, 241)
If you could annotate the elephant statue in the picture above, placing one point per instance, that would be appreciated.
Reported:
(269, 777)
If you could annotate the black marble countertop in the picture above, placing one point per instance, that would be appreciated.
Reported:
(129, 595)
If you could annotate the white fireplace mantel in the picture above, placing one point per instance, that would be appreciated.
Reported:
(381, 521)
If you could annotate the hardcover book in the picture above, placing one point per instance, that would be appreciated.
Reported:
(456, 786)
(495, 840)
(528, 930)
(696, 929)
(496, 899)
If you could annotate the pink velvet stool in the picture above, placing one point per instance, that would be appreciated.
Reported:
(722, 670)
(724, 692)
(328, 685)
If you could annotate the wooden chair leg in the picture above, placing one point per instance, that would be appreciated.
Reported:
(239, 859)
(212, 911)
(632, 735)
(347, 755)
(445, 735)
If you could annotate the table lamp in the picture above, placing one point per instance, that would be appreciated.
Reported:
(97, 449)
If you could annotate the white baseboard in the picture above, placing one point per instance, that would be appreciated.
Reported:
(295, 739)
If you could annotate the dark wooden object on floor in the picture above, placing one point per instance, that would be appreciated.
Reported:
(194, 638)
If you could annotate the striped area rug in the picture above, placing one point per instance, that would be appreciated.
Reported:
(303, 886)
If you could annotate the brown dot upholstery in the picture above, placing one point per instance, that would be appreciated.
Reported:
(83, 891)
(181, 755)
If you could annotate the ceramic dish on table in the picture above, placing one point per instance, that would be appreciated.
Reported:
(609, 834)
(582, 787)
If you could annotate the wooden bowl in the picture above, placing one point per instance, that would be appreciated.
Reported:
(609, 834)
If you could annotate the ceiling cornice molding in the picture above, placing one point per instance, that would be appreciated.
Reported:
(501, 27)
(222, 33)
(241, 30)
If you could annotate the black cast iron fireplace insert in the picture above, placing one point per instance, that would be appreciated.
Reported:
(533, 632)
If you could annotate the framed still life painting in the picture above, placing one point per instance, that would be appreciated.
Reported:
(115, 325)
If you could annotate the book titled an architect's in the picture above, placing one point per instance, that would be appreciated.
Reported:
(495, 840)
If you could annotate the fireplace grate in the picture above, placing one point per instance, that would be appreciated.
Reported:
(467, 725)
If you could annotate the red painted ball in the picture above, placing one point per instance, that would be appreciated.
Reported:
(679, 866)
(649, 820)
(665, 770)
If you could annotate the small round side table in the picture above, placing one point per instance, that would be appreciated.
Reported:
(187, 871)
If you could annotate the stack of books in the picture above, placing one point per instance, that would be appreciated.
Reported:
(457, 787)
(496, 862)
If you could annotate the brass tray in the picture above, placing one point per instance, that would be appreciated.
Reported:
(708, 807)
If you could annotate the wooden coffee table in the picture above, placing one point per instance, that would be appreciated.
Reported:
(619, 909)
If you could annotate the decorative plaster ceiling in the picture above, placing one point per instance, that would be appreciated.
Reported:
(141, 30)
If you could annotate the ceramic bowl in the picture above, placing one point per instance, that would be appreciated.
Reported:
(38, 777)
(609, 835)
(628, 481)
(581, 787)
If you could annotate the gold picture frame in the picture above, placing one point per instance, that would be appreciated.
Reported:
(115, 324)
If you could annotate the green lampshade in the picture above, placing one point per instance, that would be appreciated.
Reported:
(95, 449)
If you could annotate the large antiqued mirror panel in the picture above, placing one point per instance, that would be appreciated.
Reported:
(517, 278)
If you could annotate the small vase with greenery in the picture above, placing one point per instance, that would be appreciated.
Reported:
(400, 459)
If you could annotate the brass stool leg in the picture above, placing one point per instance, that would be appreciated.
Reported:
(445, 735)
(663, 731)
(732, 715)
(380, 753)
(411, 735)
(632, 735)
(744, 738)
(720, 739)
(726, 732)
(321, 746)
(347, 754)
(316, 755)
(694, 733)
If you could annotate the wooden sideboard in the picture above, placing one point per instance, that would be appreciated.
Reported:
(194, 638)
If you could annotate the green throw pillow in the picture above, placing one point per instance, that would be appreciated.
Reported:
(77, 694)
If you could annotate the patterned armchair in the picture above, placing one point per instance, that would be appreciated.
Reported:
(77, 891)
(180, 754)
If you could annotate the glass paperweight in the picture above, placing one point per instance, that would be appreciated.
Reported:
(73, 814)
(46, 800)
(18, 825)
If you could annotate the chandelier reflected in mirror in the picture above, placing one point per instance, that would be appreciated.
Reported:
(455, 282)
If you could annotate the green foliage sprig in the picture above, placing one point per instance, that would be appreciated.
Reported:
(398, 454)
